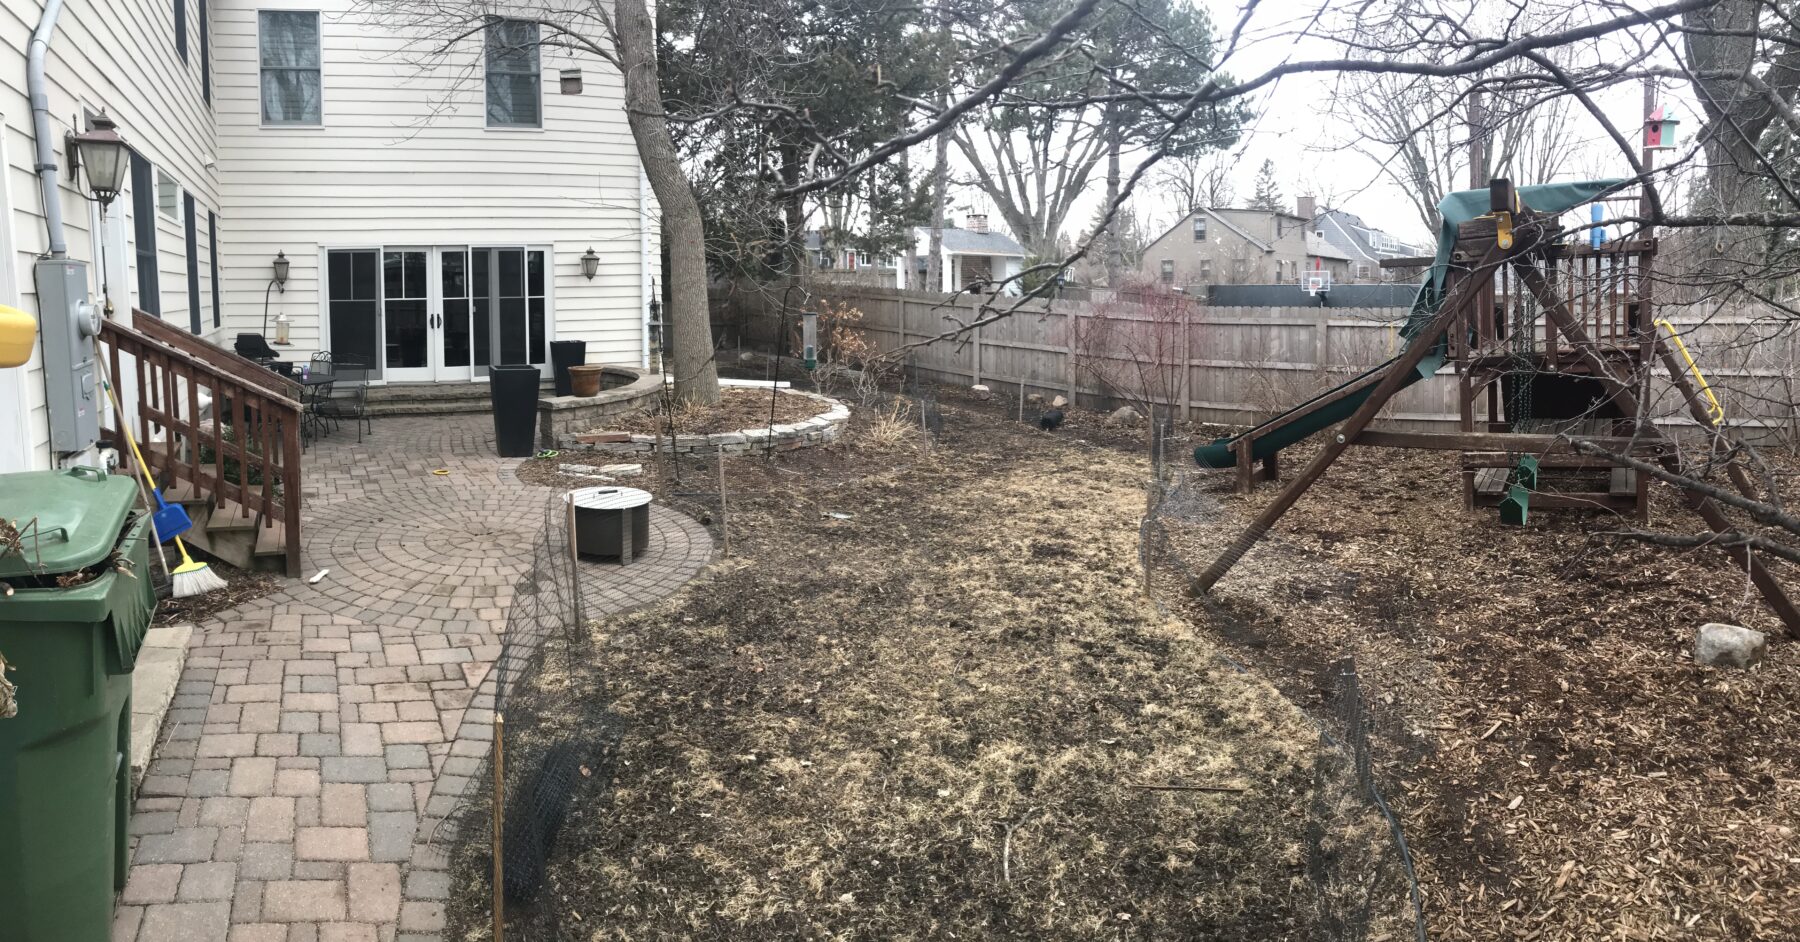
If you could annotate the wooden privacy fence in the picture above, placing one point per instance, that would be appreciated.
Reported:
(1239, 365)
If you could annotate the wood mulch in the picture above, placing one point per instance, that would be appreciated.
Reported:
(739, 408)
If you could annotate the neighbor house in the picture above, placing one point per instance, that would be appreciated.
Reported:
(842, 262)
(432, 221)
(971, 256)
(1232, 246)
(1366, 247)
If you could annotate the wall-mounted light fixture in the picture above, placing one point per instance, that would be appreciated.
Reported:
(590, 264)
(280, 265)
(104, 153)
(281, 271)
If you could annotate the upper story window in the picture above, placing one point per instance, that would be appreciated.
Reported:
(291, 91)
(1199, 228)
(1168, 271)
(181, 29)
(513, 84)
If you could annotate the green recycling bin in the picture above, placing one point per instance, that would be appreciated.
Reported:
(81, 601)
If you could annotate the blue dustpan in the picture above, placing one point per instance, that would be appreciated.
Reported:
(170, 520)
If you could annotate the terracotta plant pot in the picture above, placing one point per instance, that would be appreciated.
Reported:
(584, 380)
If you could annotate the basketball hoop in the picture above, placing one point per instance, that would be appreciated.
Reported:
(1316, 282)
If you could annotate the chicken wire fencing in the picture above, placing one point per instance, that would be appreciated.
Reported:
(1359, 869)
(555, 739)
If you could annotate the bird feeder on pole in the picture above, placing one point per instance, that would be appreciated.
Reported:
(809, 339)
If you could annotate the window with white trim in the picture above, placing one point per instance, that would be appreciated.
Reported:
(168, 195)
(1168, 271)
(1199, 228)
(514, 87)
(292, 84)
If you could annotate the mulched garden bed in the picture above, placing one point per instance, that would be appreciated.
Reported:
(1564, 769)
(739, 408)
(913, 704)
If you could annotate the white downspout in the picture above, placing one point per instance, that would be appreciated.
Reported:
(40, 127)
(644, 266)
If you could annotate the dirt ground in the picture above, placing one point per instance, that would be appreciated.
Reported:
(1564, 769)
(916, 702)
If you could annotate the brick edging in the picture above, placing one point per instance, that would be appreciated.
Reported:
(827, 426)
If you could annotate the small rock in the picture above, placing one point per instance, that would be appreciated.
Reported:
(1036, 399)
(1059, 402)
(1720, 645)
(982, 392)
(1123, 415)
(746, 357)
(622, 470)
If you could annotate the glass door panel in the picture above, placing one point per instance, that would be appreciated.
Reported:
(509, 293)
(406, 320)
(352, 293)
(455, 341)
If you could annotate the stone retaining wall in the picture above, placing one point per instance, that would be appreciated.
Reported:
(827, 426)
(560, 417)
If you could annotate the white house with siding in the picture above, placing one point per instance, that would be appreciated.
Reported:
(433, 220)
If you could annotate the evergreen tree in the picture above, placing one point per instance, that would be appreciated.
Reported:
(1268, 193)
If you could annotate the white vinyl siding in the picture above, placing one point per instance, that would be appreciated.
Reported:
(408, 160)
(117, 56)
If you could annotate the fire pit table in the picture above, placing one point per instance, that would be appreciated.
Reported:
(611, 521)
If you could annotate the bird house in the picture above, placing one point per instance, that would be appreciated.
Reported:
(1659, 131)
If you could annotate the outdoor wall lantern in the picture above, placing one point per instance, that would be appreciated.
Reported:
(590, 264)
(104, 153)
(281, 271)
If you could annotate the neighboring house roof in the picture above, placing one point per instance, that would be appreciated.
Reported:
(1317, 244)
(969, 242)
(1362, 241)
(1217, 216)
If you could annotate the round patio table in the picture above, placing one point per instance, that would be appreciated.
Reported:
(611, 521)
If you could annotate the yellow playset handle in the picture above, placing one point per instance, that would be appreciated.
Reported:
(1713, 408)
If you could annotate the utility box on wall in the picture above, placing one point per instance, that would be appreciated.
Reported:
(69, 322)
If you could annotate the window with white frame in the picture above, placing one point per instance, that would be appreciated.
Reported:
(1205, 271)
(292, 89)
(514, 87)
(1168, 271)
(1199, 228)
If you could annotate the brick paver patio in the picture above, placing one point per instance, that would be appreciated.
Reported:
(321, 736)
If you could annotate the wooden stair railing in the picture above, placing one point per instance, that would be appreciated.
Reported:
(242, 453)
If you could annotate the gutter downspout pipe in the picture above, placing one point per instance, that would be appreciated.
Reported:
(40, 127)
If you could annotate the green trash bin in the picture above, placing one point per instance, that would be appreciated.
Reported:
(65, 767)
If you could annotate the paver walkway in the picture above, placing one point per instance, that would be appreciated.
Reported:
(321, 735)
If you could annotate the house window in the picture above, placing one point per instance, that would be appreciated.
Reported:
(168, 195)
(181, 29)
(862, 260)
(1199, 228)
(205, 57)
(353, 299)
(143, 221)
(1168, 271)
(193, 263)
(1206, 271)
(291, 82)
(1362, 271)
(513, 84)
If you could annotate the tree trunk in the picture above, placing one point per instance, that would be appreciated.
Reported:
(940, 175)
(1114, 256)
(684, 234)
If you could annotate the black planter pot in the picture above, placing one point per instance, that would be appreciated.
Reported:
(564, 354)
(514, 391)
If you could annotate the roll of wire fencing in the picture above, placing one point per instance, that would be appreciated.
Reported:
(555, 741)
(1359, 870)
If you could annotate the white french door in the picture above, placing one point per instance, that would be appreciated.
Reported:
(439, 313)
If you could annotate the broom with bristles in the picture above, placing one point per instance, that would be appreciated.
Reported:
(190, 578)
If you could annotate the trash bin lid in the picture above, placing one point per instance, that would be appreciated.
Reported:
(79, 513)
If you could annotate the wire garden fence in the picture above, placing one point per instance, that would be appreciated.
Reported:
(555, 741)
(1358, 866)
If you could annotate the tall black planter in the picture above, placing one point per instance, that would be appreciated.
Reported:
(514, 390)
(564, 354)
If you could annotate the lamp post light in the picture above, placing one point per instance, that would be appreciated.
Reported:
(105, 155)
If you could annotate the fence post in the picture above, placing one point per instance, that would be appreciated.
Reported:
(1186, 359)
(1071, 323)
(975, 338)
(1322, 345)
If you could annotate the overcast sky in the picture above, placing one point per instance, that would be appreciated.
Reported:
(1301, 127)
